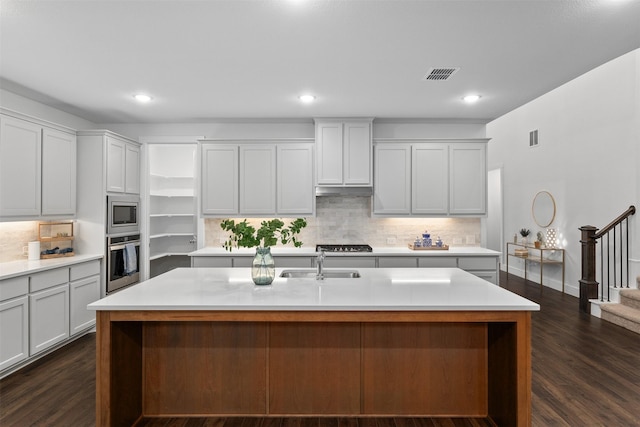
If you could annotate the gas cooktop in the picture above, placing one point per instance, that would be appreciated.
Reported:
(344, 248)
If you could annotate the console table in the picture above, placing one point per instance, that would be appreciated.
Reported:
(540, 255)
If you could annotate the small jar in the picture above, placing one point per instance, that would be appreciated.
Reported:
(417, 243)
(439, 242)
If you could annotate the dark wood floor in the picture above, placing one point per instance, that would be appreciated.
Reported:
(586, 372)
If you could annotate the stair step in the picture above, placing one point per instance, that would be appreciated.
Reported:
(622, 315)
(630, 298)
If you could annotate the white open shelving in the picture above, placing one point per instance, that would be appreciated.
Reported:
(172, 206)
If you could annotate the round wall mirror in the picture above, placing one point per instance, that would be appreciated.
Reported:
(543, 209)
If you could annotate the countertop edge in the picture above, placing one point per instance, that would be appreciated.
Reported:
(13, 269)
(377, 252)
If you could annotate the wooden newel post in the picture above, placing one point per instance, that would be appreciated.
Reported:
(588, 284)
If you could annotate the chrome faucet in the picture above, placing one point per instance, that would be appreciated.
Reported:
(320, 265)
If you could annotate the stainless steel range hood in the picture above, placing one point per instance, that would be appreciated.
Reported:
(343, 191)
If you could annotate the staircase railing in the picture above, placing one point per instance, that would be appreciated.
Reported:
(614, 262)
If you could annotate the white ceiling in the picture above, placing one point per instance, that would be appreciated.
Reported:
(221, 59)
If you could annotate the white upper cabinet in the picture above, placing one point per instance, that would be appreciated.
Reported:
(441, 178)
(115, 165)
(37, 169)
(430, 180)
(219, 182)
(357, 153)
(123, 166)
(329, 153)
(295, 179)
(344, 152)
(392, 186)
(132, 169)
(20, 167)
(258, 179)
(58, 173)
(468, 179)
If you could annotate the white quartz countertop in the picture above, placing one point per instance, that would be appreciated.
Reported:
(378, 289)
(377, 251)
(20, 268)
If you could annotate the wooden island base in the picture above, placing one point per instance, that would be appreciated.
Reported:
(286, 363)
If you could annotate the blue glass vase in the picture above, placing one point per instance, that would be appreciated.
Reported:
(263, 268)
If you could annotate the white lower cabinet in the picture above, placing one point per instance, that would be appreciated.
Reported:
(48, 318)
(41, 310)
(14, 331)
(82, 293)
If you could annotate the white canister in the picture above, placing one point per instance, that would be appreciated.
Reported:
(34, 251)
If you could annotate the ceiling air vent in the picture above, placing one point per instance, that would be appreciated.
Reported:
(440, 74)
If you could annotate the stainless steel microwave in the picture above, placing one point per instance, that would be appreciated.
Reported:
(123, 214)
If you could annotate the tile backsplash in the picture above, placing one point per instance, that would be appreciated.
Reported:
(14, 236)
(347, 219)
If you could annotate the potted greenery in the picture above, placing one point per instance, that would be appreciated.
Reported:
(270, 232)
(524, 232)
(539, 240)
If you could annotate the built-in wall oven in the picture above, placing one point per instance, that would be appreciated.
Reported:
(123, 261)
(123, 214)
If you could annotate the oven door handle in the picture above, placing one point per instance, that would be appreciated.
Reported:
(119, 247)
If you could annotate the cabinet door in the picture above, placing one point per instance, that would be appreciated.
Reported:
(430, 179)
(258, 179)
(116, 153)
(357, 153)
(392, 182)
(468, 179)
(81, 293)
(48, 318)
(20, 167)
(219, 179)
(14, 331)
(295, 190)
(132, 169)
(329, 153)
(58, 173)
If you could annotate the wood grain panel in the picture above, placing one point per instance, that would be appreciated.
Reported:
(314, 368)
(204, 368)
(425, 368)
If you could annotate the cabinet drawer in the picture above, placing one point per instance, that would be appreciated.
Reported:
(397, 262)
(438, 262)
(47, 279)
(14, 287)
(85, 269)
(484, 263)
(242, 261)
(210, 261)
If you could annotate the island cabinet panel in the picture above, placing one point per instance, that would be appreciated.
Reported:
(204, 368)
(314, 368)
(408, 369)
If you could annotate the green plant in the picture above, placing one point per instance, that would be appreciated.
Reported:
(524, 232)
(539, 237)
(270, 232)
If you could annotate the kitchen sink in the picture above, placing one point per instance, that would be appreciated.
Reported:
(328, 274)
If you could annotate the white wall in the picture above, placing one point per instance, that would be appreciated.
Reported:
(588, 157)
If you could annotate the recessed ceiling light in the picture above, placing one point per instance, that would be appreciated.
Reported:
(140, 97)
(471, 98)
(307, 98)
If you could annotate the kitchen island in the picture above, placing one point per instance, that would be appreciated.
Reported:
(393, 342)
